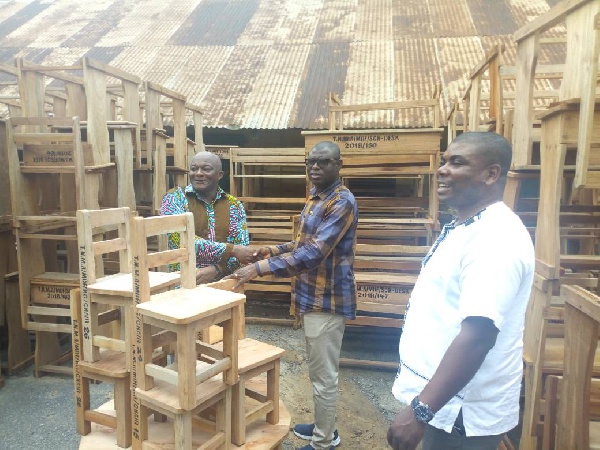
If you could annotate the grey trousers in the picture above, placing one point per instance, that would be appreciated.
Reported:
(436, 439)
(323, 333)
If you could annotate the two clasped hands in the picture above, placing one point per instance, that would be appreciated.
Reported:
(246, 255)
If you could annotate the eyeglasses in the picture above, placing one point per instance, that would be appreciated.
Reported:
(322, 163)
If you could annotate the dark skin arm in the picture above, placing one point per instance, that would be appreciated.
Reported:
(249, 272)
(459, 365)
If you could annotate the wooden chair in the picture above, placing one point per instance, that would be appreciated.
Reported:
(188, 386)
(110, 369)
(101, 233)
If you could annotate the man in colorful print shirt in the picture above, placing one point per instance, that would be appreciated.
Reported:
(219, 219)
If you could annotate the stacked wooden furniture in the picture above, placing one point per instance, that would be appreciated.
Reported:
(45, 274)
(392, 175)
(191, 385)
(50, 187)
(572, 408)
(271, 184)
(18, 352)
(566, 239)
(163, 161)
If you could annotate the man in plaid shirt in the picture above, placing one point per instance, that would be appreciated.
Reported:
(320, 260)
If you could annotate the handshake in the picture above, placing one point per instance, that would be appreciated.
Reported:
(246, 255)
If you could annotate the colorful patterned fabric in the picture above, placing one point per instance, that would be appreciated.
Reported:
(321, 257)
(207, 251)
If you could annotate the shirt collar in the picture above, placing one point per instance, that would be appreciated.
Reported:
(190, 190)
(474, 218)
(325, 193)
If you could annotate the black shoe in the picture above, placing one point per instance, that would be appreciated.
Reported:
(305, 431)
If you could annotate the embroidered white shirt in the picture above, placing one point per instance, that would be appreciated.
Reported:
(483, 267)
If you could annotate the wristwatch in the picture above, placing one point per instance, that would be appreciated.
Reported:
(422, 411)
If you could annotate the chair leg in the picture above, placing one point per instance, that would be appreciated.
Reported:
(123, 407)
(273, 393)
(82, 404)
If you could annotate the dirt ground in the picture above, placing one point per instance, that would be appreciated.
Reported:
(366, 405)
(39, 413)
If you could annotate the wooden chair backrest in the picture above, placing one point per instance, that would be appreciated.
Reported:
(144, 259)
(94, 239)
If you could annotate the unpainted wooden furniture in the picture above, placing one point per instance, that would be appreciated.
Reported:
(543, 353)
(44, 223)
(110, 369)
(189, 385)
(573, 401)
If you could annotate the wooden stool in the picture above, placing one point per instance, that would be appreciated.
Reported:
(164, 398)
(190, 385)
(255, 358)
(183, 312)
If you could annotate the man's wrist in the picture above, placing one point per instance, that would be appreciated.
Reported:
(218, 272)
(422, 411)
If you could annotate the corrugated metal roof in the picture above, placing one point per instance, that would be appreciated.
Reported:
(271, 63)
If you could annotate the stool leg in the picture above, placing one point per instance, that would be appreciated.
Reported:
(273, 393)
(183, 431)
(123, 409)
(223, 417)
(238, 412)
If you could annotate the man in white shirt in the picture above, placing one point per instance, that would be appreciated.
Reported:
(462, 343)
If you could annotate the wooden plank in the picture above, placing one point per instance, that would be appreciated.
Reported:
(549, 19)
(97, 114)
(165, 91)
(111, 71)
(527, 54)
(384, 106)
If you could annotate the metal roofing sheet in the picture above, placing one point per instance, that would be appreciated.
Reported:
(25, 12)
(215, 22)
(325, 71)
(271, 63)
(411, 18)
(337, 20)
(107, 15)
(491, 18)
(451, 18)
(291, 22)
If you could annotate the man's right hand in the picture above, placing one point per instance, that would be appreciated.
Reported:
(246, 254)
(262, 253)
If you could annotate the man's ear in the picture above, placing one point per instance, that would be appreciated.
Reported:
(221, 173)
(494, 171)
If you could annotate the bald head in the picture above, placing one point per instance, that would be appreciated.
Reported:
(207, 158)
(329, 147)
